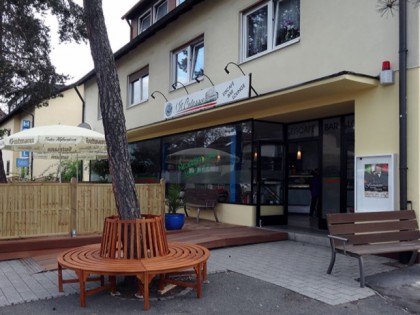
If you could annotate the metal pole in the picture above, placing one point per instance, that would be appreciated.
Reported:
(403, 101)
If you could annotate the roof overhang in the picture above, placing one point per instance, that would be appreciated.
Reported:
(284, 105)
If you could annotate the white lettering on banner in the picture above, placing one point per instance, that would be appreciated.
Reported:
(217, 95)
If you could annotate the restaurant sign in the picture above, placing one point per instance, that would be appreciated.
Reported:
(221, 94)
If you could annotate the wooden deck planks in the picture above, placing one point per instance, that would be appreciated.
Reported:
(207, 233)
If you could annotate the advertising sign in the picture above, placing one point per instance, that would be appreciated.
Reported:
(221, 94)
(375, 183)
(26, 124)
(20, 162)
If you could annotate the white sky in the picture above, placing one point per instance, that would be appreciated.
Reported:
(74, 59)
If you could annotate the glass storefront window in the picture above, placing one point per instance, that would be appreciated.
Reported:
(215, 158)
(303, 130)
(331, 168)
(145, 160)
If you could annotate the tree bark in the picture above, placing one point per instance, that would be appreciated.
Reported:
(3, 178)
(112, 112)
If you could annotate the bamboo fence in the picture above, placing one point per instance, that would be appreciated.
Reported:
(49, 209)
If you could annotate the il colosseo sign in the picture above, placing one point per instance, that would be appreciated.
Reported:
(221, 94)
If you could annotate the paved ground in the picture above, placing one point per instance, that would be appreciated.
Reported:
(266, 278)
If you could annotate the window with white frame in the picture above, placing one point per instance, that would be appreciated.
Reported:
(271, 25)
(160, 10)
(188, 62)
(138, 87)
(145, 21)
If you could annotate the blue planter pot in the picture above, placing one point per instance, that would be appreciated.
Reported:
(174, 221)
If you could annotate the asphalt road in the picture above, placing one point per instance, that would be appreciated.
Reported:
(227, 293)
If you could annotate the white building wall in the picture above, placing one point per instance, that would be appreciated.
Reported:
(336, 35)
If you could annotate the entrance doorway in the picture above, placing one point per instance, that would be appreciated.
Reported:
(304, 185)
(269, 183)
(320, 177)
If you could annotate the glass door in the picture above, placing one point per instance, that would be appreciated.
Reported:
(268, 184)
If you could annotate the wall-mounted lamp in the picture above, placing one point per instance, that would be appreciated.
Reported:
(232, 63)
(200, 78)
(227, 71)
(255, 156)
(174, 86)
(153, 96)
(299, 154)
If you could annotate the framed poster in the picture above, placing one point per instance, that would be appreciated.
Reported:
(375, 183)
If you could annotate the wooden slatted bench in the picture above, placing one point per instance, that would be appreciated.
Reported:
(133, 248)
(373, 233)
(201, 199)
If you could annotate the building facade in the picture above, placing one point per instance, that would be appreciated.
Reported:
(66, 109)
(288, 108)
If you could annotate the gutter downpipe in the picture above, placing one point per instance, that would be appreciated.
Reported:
(403, 101)
(83, 103)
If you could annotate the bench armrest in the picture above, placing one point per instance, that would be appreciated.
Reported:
(338, 238)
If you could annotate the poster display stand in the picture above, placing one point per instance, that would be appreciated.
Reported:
(375, 183)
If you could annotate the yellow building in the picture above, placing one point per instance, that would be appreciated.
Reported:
(277, 104)
(66, 109)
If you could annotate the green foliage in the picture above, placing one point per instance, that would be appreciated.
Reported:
(173, 198)
(27, 76)
(4, 132)
(69, 170)
(101, 169)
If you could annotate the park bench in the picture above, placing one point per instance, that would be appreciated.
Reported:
(201, 199)
(134, 248)
(373, 233)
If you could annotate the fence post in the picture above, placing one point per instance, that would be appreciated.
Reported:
(73, 205)
(162, 191)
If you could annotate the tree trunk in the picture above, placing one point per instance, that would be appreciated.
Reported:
(112, 111)
(3, 178)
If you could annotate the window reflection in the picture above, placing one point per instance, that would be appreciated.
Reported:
(217, 158)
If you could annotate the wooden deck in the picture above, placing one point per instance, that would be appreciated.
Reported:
(41, 253)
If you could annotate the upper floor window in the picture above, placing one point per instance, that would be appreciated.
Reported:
(178, 2)
(269, 26)
(188, 62)
(145, 21)
(138, 86)
(160, 10)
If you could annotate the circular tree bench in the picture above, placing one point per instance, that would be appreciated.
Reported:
(134, 248)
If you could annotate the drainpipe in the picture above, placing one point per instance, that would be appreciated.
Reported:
(403, 101)
(83, 103)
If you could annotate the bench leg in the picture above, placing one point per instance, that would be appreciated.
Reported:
(332, 261)
(198, 270)
(215, 215)
(145, 278)
(198, 215)
(362, 272)
(82, 278)
(205, 272)
(413, 257)
(60, 278)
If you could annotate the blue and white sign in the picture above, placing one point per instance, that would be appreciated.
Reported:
(26, 124)
(22, 162)
(221, 94)
(24, 154)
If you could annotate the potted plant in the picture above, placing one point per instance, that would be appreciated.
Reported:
(174, 201)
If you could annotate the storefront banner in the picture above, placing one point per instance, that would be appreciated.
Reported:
(221, 94)
(375, 183)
